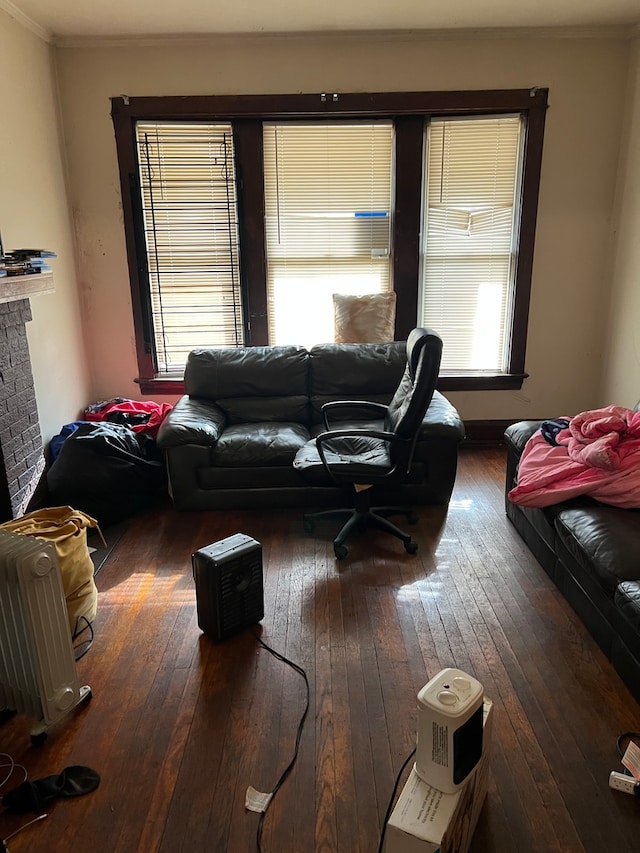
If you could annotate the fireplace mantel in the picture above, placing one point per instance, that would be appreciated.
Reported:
(23, 286)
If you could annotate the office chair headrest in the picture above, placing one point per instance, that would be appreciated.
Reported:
(416, 342)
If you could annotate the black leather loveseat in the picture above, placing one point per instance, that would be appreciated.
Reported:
(230, 441)
(592, 552)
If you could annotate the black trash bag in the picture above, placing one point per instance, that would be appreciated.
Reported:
(107, 471)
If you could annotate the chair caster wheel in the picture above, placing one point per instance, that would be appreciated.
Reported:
(39, 739)
(308, 525)
(411, 547)
(340, 551)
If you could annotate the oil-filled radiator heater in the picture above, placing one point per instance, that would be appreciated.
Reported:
(38, 673)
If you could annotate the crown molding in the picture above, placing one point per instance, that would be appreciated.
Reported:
(27, 22)
(624, 33)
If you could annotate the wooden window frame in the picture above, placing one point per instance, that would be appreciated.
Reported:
(408, 110)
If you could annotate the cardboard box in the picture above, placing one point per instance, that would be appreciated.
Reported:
(425, 820)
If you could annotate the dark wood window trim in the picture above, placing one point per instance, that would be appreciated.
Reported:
(248, 142)
(408, 110)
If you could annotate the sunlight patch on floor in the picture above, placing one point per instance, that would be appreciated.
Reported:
(419, 588)
(150, 585)
(464, 503)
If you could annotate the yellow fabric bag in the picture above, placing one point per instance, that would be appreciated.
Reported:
(67, 529)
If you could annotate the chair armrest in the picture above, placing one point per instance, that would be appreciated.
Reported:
(191, 421)
(352, 410)
(352, 432)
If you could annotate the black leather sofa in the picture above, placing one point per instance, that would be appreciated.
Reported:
(230, 441)
(592, 552)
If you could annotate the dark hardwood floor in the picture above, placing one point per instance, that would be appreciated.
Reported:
(179, 726)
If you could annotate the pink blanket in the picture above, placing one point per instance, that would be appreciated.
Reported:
(597, 455)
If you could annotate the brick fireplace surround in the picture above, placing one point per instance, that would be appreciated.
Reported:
(21, 450)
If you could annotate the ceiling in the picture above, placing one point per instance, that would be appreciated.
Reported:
(71, 19)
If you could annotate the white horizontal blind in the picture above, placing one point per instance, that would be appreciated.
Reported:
(328, 209)
(468, 266)
(187, 178)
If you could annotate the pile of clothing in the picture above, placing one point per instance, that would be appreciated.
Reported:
(108, 464)
(595, 453)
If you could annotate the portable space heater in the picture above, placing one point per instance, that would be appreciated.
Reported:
(229, 588)
(38, 673)
(450, 729)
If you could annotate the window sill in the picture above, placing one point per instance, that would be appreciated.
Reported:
(446, 382)
(157, 386)
(481, 381)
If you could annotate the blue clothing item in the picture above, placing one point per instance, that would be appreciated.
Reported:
(550, 429)
(58, 440)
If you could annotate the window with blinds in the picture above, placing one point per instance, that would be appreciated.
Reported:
(190, 221)
(328, 192)
(473, 174)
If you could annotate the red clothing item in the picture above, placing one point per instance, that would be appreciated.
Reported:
(140, 416)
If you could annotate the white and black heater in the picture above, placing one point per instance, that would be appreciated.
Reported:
(449, 735)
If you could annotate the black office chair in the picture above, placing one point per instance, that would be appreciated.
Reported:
(360, 457)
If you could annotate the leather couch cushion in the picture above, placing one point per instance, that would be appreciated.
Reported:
(255, 477)
(354, 372)
(247, 372)
(604, 540)
(627, 599)
(255, 409)
(259, 444)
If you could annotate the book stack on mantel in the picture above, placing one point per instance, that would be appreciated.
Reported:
(25, 262)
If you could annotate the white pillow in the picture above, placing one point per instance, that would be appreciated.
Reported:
(366, 319)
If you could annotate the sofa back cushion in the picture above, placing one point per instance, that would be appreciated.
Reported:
(258, 409)
(369, 372)
(251, 383)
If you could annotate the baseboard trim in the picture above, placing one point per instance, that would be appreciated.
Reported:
(486, 432)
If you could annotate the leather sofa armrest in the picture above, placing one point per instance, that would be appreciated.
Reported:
(441, 420)
(518, 434)
(191, 421)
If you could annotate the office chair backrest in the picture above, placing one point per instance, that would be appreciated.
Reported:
(413, 395)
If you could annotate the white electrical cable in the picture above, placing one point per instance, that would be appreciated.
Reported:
(12, 766)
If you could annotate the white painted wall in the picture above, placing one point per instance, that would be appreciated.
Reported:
(34, 211)
(621, 378)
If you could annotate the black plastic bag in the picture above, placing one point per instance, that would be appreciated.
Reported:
(107, 471)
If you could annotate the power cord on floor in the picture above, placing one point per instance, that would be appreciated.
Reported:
(289, 766)
(392, 799)
(7, 763)
(626, 737)
(10, 766)
(81, 647)
(3, 841)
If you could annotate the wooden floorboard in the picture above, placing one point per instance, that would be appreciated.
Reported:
(179, 726)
